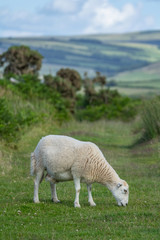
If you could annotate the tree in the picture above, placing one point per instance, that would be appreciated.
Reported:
(64, 87)
(21, 60)
(100, 79)
(88, 86)
(72, 76)
(60, 85)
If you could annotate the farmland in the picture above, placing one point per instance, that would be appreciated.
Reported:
(109, 54)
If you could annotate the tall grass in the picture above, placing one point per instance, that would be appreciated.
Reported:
(151, 119)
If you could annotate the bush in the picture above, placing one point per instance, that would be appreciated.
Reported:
(21, 60)
(106, 104)
(60, 85)
(151, 119)
(30, 88)
(91, 113)
(63, 87)
(11, 122)
(23, 105)
(72, 76)
(8, 124)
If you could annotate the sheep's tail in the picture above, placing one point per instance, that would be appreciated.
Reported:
(33, 164)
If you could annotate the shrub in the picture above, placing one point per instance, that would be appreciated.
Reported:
(21, 60)
(11, 122)
(100, 79)
(72, 76)
(64, 87)
(8, 124)
(151, 119)
(30, 88)
(60, 85)
(30, 96)
(106, 104)
(91, 113)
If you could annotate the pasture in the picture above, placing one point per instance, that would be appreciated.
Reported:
(139, 165)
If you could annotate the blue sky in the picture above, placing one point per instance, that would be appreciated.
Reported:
(76, 17)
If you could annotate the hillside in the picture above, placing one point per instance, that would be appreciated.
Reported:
(143, 81)
(151, 71)
(110, 54)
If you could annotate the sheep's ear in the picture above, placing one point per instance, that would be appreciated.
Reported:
(119, 185)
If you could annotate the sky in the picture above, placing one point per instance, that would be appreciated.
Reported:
(23, 18)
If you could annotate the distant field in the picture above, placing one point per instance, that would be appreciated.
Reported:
(110, 54)
(149, 72)
(132, 59)
(136, 92)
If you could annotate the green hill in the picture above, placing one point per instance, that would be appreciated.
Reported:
(147, 79)
(110, 54)
(151, 71)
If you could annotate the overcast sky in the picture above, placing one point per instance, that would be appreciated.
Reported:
(72, 17)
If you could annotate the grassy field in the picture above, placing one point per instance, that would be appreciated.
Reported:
(137, 92)
(20, 218)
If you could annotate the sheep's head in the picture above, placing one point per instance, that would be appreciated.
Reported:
(121, 193)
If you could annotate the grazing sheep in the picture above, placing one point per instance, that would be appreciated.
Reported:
(65, 158)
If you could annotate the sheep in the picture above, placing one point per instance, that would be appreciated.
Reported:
(65, 158)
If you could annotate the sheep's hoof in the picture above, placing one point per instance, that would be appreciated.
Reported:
(56, 201)
(93, 204)
(36, 201)
(77, 205)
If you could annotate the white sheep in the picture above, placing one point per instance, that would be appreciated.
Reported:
(65, 158)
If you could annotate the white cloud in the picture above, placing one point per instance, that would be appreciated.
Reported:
(104, 17)
(19, 24)
(70, 17)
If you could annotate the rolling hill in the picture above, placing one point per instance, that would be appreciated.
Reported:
(146, 78)
(132, 59)
(110, 54)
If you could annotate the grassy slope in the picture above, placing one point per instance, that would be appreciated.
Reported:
(144, 80)
(144, 74)
(140, 82)
(137, 92)
(109, 54)
(131, 59)
(20, 218)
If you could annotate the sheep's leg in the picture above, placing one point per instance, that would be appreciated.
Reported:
(54, 192)
(37, 181)
(77, 187)
(90, 198)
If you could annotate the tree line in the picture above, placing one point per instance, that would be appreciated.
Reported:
(93, 102)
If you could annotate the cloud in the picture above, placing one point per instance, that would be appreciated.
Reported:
(19, 23)
(105, 17)
(71, 17)
(61, 6)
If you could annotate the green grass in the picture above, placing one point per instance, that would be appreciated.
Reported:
(20, 218)
(147, 74)
(136, 92)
